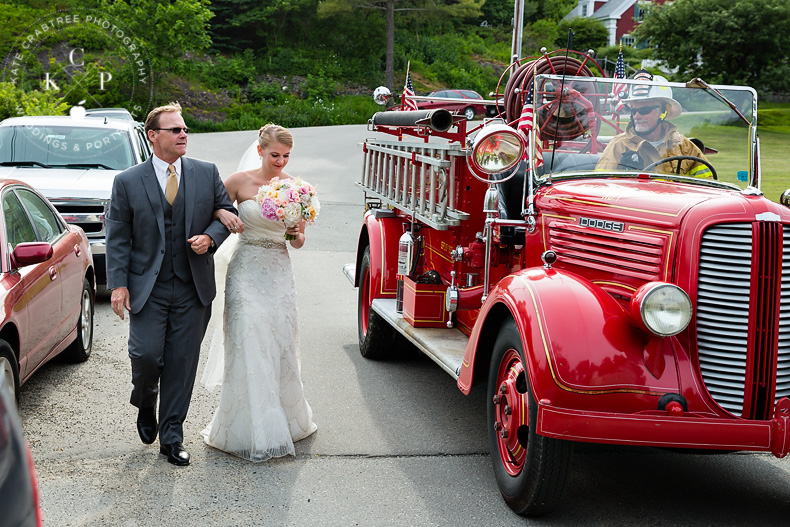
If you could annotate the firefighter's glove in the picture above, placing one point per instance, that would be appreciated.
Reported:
(632, 160)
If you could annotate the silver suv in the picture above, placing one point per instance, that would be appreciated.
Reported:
(73, 162)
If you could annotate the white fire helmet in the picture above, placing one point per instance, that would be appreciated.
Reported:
(655, 91)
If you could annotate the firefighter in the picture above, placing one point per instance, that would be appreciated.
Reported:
(649, 136)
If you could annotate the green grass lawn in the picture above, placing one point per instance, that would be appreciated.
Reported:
(733, 153)
(775, 157)
(773, 128)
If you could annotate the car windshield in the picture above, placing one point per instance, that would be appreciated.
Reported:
(65, 146)
(592, 126)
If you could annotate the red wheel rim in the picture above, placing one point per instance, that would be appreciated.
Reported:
(511, 411)
(364, 307)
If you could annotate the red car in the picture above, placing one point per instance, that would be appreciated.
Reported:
(47, 285)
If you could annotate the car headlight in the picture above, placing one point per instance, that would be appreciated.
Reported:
(497, 148)
(662, 308)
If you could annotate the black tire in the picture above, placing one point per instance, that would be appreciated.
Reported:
(376, 336)
(531, 481)
(81, 348)
(469, 113)
(9, 370)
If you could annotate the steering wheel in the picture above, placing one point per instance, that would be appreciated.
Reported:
(679, 158)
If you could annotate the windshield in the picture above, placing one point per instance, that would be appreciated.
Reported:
(627, 127)
(65, 146)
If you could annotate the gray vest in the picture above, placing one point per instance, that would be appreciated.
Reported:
(175, 261)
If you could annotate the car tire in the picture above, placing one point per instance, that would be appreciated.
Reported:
(469, 113)
(80, 349)
(530, 470)
(376, 336)
(9, 369)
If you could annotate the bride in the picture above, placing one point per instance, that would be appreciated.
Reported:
(262, 409)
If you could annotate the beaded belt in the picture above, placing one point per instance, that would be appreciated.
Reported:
(269, 244)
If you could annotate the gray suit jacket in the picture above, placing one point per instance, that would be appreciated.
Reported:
(136, 227)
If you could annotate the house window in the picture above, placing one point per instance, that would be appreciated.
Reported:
(584, 10)
(640, 10)
(627, 40)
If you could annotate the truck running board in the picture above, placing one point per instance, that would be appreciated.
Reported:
(446, 347)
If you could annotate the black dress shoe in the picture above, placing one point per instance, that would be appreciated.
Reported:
(175, 454)
(146, 425)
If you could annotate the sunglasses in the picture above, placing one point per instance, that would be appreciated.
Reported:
(175, 130)
(644, 110)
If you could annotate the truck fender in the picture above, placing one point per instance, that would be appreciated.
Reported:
(577, 339)
(382, 235)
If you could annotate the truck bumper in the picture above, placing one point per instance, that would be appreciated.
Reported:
(669, 431)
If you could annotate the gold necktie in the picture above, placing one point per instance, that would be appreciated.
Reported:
(171, 189)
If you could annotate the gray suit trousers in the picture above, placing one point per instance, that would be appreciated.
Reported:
(164, 345)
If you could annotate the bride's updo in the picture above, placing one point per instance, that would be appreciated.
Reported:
(274, 133)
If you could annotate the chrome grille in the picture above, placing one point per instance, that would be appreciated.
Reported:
(87, 214)
(723, 316)
(783, 355)
(723, 312)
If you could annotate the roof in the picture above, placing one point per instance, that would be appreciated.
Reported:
(613, 9)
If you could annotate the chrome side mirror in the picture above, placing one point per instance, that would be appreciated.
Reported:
(381, 95)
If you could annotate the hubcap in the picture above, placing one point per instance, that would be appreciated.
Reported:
(511, 411)
(86, 321)
(8, 375)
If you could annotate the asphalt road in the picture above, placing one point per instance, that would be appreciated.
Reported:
(397, 443)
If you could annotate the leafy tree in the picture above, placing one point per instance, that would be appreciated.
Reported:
(498, 12)
(450, 8)
(588, 33)
(241, 24)
(166, 29)
(535, 10)
(723, 41)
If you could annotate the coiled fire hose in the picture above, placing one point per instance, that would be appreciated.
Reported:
(565, 121)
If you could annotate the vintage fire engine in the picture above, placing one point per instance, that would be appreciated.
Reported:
(630, 305)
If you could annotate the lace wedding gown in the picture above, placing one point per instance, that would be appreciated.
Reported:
(262, 409)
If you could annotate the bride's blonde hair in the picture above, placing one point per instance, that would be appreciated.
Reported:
(273, 132)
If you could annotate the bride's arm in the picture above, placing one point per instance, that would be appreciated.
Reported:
(229, 220)
(298, 231)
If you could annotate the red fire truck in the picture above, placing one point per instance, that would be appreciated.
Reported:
(644, 302)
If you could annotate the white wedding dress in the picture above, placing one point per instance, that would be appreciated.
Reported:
(262, 409)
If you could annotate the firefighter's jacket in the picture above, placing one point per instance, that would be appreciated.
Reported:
(629, 151)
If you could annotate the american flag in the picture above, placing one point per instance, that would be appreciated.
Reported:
(619, 89)
(407, 103)
(527, 121)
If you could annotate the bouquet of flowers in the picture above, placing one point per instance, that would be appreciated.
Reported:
(289, 200)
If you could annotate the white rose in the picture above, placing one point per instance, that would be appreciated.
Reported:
(293, 213)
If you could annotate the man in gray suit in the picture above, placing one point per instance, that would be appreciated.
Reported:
(161, 237)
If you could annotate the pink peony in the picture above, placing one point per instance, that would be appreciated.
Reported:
(269, 209)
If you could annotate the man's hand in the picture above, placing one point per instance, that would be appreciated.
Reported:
(120, 300)
(631, 159)
(200, 243)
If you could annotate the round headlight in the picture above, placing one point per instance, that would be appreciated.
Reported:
(664, 309)
(497, 148)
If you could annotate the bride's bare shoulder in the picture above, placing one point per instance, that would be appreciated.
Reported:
(244, 175)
